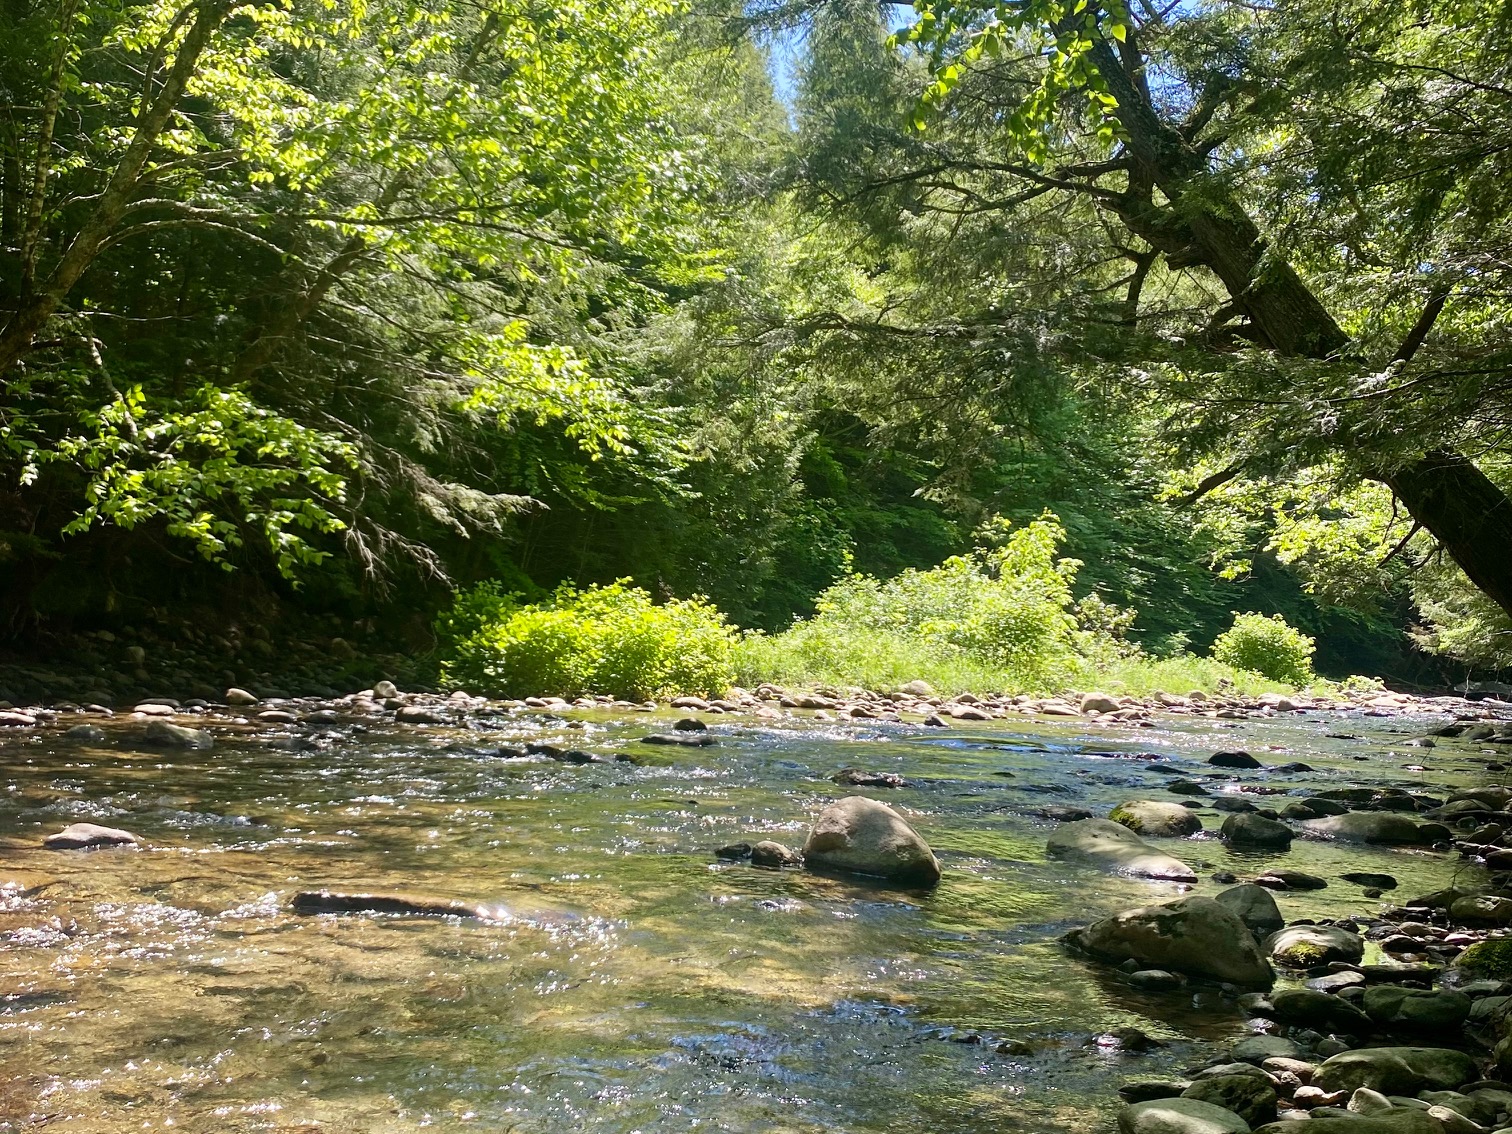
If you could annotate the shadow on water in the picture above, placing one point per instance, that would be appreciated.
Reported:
(632, 981)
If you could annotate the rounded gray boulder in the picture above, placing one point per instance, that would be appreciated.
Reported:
(861, 836)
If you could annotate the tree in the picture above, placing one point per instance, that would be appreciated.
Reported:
(1247, 146)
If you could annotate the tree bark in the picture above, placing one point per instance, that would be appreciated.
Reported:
(35, 309)
(1443, 491)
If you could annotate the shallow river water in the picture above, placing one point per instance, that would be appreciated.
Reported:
(633, 982)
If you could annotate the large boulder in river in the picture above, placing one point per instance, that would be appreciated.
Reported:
(1179, 1116)
(1311, 946)
(1113, 846)
(1416, 1009)
(1156, 818)
(1397, 1120)
(1396, 1070)
(1247, 829)
(1193, 935)
(1255, 907)
(861, 836)
(1385, 828)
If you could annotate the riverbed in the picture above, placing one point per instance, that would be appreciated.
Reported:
(629, 980)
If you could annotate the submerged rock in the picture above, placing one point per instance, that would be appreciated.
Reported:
(774, 854)
(87, 733)
(78, 836)
(1385, 828)
(415, 905)
(1179, 1116)
(1157, 819)
(162, 734)
(1114, 847)
(1233, 760)
(1193, 935)
(861, 836)
(856, 777)
(683, 739)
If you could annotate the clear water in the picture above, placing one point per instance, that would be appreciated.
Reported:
(634, 982)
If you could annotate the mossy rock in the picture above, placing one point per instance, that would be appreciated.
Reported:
(1491, 958)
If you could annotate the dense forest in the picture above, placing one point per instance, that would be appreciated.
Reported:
(319, 314)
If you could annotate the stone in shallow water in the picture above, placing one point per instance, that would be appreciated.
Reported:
(1396, 1070)
(415, 905)
(78, 836)
(1157, 819)
(162, 734)
(683, 739)
(1308, 946)
(1252, 830)
(1254, 906)
(861, 836)
(774, 854)
(1114, 847)
(857, 777)
(1193, 935)
(1376, 827)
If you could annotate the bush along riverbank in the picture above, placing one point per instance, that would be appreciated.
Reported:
(1397, 1022)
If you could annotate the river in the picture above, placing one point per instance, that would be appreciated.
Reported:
(632, 981)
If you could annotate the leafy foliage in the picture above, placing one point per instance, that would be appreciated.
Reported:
(1267, 646)
(611, 639)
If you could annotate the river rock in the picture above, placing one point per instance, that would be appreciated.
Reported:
(1482, 909)
(1255, 907)
(1257, 1049)
(1193, 935)
(1437, 1010)
(1396, 1070)
(235, 696)
(918, 689)
(861, 836)
(1309, 946)
(415, 905)
(1251, 830)
(857, 777)
(1384, 828)
(1112, 846)
(1179, 1116)
(384, 690)
(1233, 760)
(1099, 703)
(163, 734)
(681, 739)
(1370, 880)
(1157, 819)
(1398, 1120)
(86, 733)
(774, 854)
(414, 715)
(1290, 880)
(1250, 1096)
(1304, 1008)
(78, 836)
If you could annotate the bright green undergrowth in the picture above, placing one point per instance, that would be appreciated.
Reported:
(611, 639)
(1001, 619)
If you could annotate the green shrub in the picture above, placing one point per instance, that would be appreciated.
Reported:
(1000, 617)
(612, 640)
(1267, 646)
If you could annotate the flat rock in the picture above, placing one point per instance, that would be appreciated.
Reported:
(414, 905)
(1112, 846)
(1381, 828)
(1193, 935)
(681, 739)
(1257, 1049)
(78, 836)
(856, 777)
(861, 836)
(1233, 760)
(1179, 1116)
(1304, 1008)
(1156, 818)
(1396, 1070)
